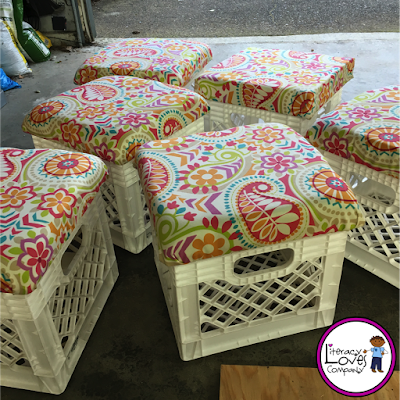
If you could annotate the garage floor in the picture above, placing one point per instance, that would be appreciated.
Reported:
(132, 352)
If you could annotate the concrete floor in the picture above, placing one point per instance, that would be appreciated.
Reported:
(211, 18)
(132, 352)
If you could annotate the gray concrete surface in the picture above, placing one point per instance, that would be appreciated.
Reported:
(132, 352)
(213, 18)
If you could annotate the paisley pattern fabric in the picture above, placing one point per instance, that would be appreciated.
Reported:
(43, 195)
(165, 60)
(365, 130)
(281, 81)
(112, 117)
(216, 192)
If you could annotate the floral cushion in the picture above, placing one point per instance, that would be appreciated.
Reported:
(281, 81)
(43, 195)
(166, 60)
(112, 116)
(365, 130)
(216, 192)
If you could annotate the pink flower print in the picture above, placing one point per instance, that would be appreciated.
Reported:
(365, 114)
(172, 205)
(231, 143)
(314, 65)
(15, 196)
(189, 216)
(278, 162)
(104, 152)
(337, 145)
(59, 203)
(164, 60)
(35, 257)
(134, 120)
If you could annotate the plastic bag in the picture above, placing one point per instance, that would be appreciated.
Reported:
(11, 59)
(7, 15)
(44, 39)
(27, 36)
(32, 44)
(6, 83)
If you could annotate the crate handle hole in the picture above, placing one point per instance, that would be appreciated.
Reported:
(74, 250)
(376, 191)
(265, 262)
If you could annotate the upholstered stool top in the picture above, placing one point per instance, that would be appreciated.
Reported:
(365, 130)
(245, 187)
(171, 61)
(281, 81)
(43, 194)
(112, 116)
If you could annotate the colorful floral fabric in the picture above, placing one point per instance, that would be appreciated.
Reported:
(281, 81)
(111, 117)
(43, 194)
(365, 130)
(166, 60)
(216, 192)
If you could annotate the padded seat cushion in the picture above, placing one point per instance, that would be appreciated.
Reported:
(112, 116)
(365, 130)
(216, 192)
(166, 60)
(43, 195)
(281, 81)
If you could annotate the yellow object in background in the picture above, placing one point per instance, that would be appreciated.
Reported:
(44, 39)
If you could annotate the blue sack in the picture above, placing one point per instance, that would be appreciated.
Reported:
(6, 82)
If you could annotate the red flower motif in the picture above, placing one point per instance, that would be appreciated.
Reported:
(189, 216)
(104, 152)
(172, 205)
(35, 257)
(337, 145)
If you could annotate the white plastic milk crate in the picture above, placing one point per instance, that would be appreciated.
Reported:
(376, 245)
(224, 116)
(251, 296)
(126, 207)
(44, 333)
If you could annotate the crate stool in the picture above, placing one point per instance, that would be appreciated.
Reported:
(287, 87)
(111, 117)
(360, 140)
(249, 232)
(57, 264)
(172, 61)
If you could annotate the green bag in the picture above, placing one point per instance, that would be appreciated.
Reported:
(27, 37)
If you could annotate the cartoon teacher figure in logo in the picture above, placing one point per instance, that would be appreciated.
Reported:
(377, 353)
